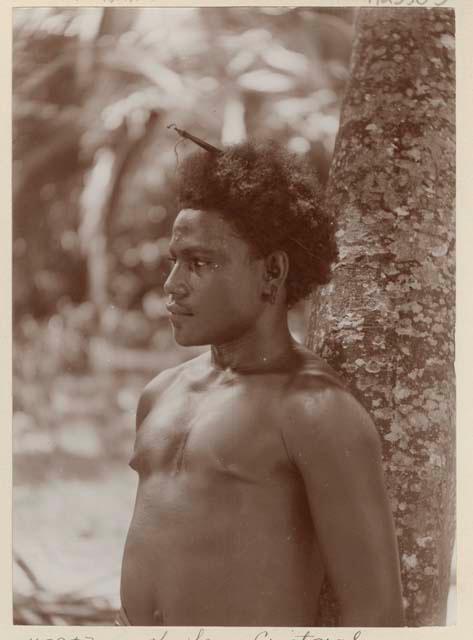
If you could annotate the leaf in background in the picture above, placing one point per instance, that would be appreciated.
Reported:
(132, 59)
(263, 81)
(281, 58)
(241, 62)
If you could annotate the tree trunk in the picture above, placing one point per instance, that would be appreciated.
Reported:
(386, 321)
(99, 202)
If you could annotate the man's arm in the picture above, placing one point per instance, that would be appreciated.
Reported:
(335, 445)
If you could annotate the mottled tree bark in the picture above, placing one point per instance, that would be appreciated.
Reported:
(386, 322)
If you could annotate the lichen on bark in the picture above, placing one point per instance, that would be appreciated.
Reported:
(386, 321)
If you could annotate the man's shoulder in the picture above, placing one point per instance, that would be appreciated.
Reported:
(321, 404)
(313, 373)
(164, 380)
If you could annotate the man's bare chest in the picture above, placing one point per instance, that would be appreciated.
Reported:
(224, 430)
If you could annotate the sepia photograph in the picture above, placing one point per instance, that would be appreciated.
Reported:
(234, 303)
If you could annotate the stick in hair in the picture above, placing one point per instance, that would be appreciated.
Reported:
(195, 139)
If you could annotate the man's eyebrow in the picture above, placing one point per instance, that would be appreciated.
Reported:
(193, 249)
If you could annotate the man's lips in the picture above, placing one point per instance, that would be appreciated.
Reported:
(177, 310)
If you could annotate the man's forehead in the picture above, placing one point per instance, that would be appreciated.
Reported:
(205, 226)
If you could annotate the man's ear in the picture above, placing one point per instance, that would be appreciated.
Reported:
(276, 267)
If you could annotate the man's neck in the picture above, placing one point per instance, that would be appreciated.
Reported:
(261, 349)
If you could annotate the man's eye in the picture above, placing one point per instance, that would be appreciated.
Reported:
(171, 260)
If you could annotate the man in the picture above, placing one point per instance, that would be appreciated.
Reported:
(258, 471)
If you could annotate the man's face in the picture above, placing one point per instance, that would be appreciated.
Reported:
(215, 286)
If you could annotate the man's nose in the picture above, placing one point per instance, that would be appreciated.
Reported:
(176, 284)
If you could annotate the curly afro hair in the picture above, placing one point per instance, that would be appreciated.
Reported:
(272, 200)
